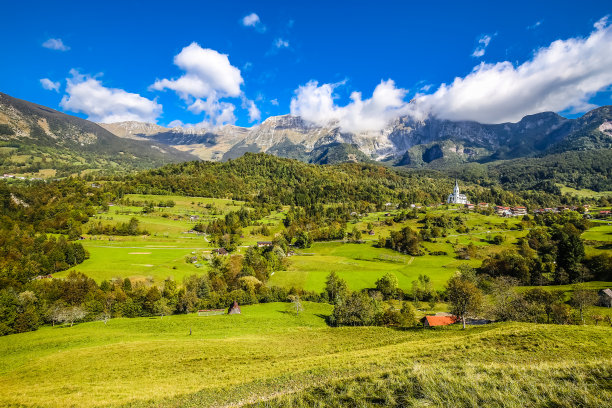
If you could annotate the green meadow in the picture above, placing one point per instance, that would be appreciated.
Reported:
(163, 253)
(270, 357)
(360, 265)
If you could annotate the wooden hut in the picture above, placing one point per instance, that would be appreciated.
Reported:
(234, 309)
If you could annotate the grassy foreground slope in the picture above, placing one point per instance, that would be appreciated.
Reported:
(269, 357)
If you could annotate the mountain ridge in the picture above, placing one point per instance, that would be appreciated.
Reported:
(44, 137)
(405, 141)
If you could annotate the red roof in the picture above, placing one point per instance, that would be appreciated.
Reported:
(440, 320)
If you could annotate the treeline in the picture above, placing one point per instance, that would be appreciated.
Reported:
(499, 299)
(226, 232)
(587, 169)
(61, 206)
(551, 253)
(123, 228)
(367, 308)
(29, 213)
(25, 254)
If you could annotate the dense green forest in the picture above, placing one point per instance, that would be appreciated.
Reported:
(589, 169)
(267, 179)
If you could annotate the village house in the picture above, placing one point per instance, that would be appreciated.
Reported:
(220, 251)
(516, 211)
(234, 309)
(469, 206)
(264, 244)
(439, 320)
(605, 297)
(503, 211)
(483, 205)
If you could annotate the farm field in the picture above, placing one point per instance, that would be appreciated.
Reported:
(163, 253)
(360, 265)
(269, 354)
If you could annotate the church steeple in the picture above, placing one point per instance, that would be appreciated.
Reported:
(456, 190)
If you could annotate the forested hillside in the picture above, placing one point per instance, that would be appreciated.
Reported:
(268, 179)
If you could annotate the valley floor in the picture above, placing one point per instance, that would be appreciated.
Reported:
(269, 357)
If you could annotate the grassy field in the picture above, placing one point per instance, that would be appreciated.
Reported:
(360, 265)
(140, 259)
(584, 192)
(162, 254)
(269, 357)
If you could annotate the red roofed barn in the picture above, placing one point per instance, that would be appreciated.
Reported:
(432, 321)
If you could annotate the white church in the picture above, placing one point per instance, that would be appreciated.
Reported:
(456, 197)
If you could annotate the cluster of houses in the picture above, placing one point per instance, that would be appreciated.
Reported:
(12, 176)
(510, 211)
(457, 198)
(560, 209)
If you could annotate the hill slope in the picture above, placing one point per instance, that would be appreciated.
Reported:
(35, 137)
(267, 353)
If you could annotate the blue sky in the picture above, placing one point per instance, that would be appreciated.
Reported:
(211, 63)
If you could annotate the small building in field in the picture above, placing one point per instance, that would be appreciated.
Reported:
(220, 251)
(519, 211)
(264, 244)
(605, 297)
(234, 309)
(432, 321)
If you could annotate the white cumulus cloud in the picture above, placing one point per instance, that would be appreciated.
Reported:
(254, 112)
(483, 43)
(87, 95)
(315, 103)
(280, 43)
(55, 44)
(208, 78)
(217, 113)
(253, 20)
(207, 73)
(50, 85)
(562, 76)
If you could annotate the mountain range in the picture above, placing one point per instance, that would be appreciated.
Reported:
(34, 137)
(405, 141)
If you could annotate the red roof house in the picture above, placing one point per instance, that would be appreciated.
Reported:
(432, 321)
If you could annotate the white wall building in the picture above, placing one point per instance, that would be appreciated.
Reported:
(456, 197)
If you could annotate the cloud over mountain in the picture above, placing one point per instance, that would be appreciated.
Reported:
(559, 77)
(209, 76)
(315, 103)
(562, 76)
(87, 95)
